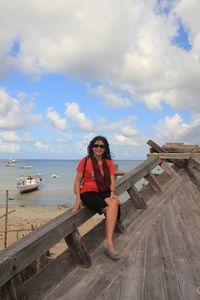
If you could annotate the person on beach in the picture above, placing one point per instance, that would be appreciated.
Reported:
(95, 188)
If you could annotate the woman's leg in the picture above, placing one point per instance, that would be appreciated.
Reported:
(111, 212)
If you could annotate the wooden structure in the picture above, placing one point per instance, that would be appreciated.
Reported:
(160, 250)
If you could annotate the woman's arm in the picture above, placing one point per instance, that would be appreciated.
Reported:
(112, 187)
(77, 203)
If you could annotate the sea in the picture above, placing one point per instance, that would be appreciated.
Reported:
(53, 191)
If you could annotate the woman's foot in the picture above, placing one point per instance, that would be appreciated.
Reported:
(111, 252)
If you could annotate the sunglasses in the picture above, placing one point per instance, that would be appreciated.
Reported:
(99, 146)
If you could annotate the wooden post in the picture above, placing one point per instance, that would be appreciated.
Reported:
(6, 221)
(153, 181)
(169, 170)
(17, 287)
(77, 247)
(136, 197)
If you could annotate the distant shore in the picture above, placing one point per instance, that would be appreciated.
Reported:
(22, 218)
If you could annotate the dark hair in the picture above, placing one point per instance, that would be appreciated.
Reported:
(106, 153)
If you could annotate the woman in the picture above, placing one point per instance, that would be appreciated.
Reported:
(97, 189)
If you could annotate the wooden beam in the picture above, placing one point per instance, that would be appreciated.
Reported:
(22, 253)
(158, 149)
(170, 156)
(136, 197)
(134, 175)
(155, 147)
(154, 182)
(77, 247)
(175, 144)
(195, 161)
(182, 149)
(169, 170)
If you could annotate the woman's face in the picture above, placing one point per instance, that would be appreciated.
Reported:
(98, 148)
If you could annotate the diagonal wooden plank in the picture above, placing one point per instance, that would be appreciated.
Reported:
(169, 276)
(153, 288)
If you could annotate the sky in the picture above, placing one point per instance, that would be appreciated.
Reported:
(72, 69)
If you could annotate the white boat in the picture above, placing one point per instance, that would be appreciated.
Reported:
(54, 175)
(11, 163)
(26, 167)
(29, 183)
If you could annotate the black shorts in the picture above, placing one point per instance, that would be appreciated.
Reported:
(95, 201)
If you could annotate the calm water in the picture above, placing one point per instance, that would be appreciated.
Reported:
(54, 191)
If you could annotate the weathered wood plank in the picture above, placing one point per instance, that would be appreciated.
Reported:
(170, 280)
(182, 149)
(169, 170)
(174, 235)
(186, 283)
(47, 278)
(133, 274)
(153, 275)
(192, 249)
(175, 144)
(57, 269)
(113, 291)
(154, 182)
(24, 251)
(125, 182)
(195, 161)
(136, 197)
(170, 156)
(194, 174)
(78, 248)
(158, 149)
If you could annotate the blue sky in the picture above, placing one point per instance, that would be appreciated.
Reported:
(71, 70)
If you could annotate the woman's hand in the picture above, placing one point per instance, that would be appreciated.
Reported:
(76, 206)
(113, 195)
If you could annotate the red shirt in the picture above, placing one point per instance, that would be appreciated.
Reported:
(89, 180)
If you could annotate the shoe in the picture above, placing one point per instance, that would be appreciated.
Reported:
(119, 227)
(111, 253)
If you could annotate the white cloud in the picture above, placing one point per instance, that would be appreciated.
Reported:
(56, 121)
(111, 98)
(9, 147)
(41, 147)
(121, 140)
(124, 49)
(129, 131)
(9, 136)
(171, 128)
(175, 129)
(124, 45)
(79, 118)
(15, 114)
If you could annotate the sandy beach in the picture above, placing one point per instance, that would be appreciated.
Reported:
(21, 219)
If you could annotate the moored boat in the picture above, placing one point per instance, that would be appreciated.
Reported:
(26, 167)
(54, 175)
(29, 183)
(11, 163)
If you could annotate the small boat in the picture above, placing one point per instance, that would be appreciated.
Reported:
(26, 167)
(54, 175)
(29, 183)
(11, 163)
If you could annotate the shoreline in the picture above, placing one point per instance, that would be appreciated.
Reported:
(22, 219)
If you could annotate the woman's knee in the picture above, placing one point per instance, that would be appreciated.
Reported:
(113, 202)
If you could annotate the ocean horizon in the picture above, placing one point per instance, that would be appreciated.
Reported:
(53, 191)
